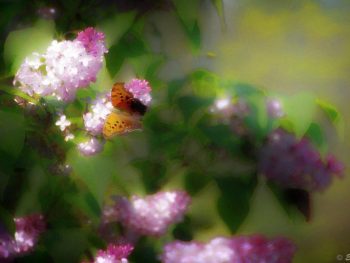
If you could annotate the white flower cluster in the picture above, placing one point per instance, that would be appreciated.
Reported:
(96, 117)
(63, 68)
(153, 214)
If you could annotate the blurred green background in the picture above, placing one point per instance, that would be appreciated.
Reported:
(283, 46)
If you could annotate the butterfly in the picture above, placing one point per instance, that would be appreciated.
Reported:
(128, 116)
(118, 123)
(125, 101)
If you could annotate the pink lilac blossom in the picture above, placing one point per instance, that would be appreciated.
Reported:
(224, 107)
(93, 41)
(115, 253)
(274, 108)
(91, 147)
(140, 89)
(6, 243)
(65, 67)
(294, 163)
(99, 110)
(240, 249)
(28, 230)
(152, 214)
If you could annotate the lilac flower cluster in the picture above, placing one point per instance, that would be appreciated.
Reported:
(240, 249)
(140, 89)
(90, 147)
(294, 163)
(115, 253)
(28, 230)
(65, 67)
(153, 214)
(96, 117)
(150, 215)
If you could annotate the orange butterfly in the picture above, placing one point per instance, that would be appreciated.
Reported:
(124, 100)
(118, 123)
(128, 118)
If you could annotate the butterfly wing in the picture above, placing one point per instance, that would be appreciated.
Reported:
(121, 98)
(118, 123)
(124, 100)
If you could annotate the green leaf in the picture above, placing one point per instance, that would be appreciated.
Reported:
(30, 200)
(130, 46)
(12, 132)
(204, 83)
(187, 11)
(299, 110)
(189, 105)
(194, 181)
(115, 27)
(315, 133)
(234, 202)
(258, 119)
(21, 43)
(152, 173)
(293, 201)
(334, 116)
(6, 219)
(221, 136)
(87, 203)
(65, 245)
(174, 88)
(95, 171)
(243, 90)
(146, 65)
(219, 6)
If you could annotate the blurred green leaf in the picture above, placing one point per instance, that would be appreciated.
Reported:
(184, 230)
(188, 12)
(243, 90)
(21, 43)
(6, 220)
(146, 65)
(174, 89)
(204, 83)
(66, 245)
(293, 201)
(130, 46)
(194, 181)
(258, 120)
(115, 27)
(95, 171)
(334, 116)
(152, 173)
(315, 133)
(189, 105)
(145, 251)
(299, 110)
(219, 6)
(85, 202)
(12, 132)
(234, 201)
(30, 199)
(221, 136)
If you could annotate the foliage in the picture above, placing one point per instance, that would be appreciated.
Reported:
(184, 143)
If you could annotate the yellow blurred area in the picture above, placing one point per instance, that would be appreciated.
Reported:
(285, 47)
